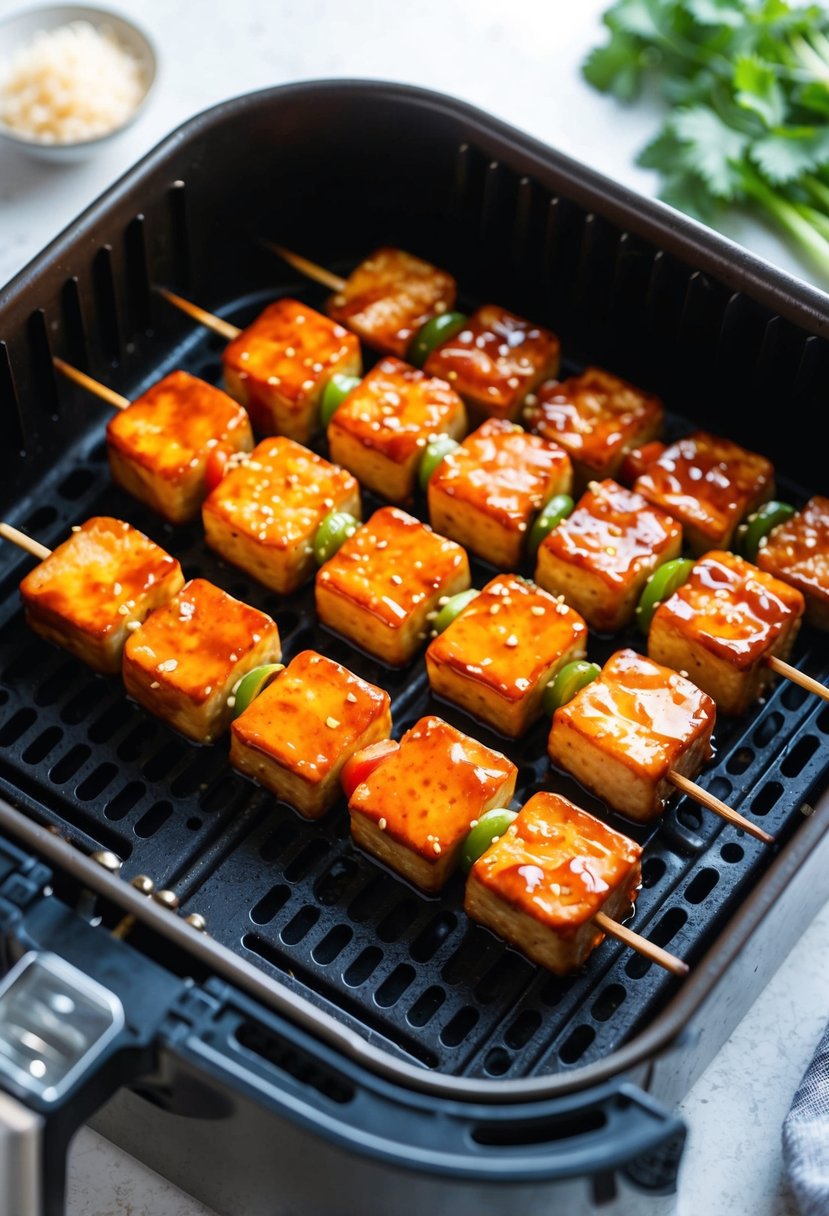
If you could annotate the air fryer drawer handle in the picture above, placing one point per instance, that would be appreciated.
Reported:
(602, 1132)
(77, 1021)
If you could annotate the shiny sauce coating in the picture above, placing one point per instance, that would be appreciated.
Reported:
(643, 714)
(558, 864)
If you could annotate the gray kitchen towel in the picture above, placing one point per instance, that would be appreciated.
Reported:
(806, 1136)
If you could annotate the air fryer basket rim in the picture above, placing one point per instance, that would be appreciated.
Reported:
(689, 241)
(686, 238)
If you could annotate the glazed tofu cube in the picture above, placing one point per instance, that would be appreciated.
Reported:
(495, 361)
(381, 589)
(279, 366)
(600, 557)
(389, 296)
(381, 429)
(186, 659)
(721, 626)
(797, 552)
(295, 737)
(709, 484)
(97, 587)
(264, 514)
(622, 735)
(487, 492)
(597, 418)
(540, 885)
(158, 446)
(502, 650)
(414, 810)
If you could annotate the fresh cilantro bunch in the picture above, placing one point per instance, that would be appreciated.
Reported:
(748, 86)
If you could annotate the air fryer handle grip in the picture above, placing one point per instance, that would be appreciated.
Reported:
(612, 1129)
(81, 1015)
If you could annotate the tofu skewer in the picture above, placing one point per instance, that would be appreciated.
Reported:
(551, 881)
(91, 593)
(635, 733)
(400, 305)
(161, 446)
(113, 598)
(727, 621)
(280, 365)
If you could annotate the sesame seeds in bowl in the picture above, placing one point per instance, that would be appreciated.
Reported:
(71, 78)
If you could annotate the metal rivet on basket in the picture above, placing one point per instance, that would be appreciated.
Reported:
(143, 883)
(197, 921)
(109, 861)
(167, 899)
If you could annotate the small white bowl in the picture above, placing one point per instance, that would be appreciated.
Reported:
(18, 30)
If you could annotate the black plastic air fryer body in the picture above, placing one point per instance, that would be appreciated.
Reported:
(338, 1042)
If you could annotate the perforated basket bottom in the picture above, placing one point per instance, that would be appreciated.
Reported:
(297, 899)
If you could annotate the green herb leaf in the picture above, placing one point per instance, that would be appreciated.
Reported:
(786, 154)
(615, 68)
(712, 147)
(756, 89)
(716, 12)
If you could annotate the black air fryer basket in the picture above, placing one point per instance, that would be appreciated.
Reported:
(339, 1043)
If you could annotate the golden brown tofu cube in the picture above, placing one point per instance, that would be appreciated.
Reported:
(97, 587)
(381, 588)
(295, 737)
(495, 361)
(264, 514)
(158, 446)
(389, 296)
(414, 810)
(597, 418)
(540, 885)
(709, 484)
(187, 658)
(502, 650)
(381, 429)
(487, 492)
(600, 557)
(279, 366)
(722, 624)
(797, 552)
(622, 735)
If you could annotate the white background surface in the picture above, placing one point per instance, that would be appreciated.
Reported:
(520, 61)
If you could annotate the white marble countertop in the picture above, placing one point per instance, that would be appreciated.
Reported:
(519, 61)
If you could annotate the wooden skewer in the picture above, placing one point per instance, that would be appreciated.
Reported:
(641, 944)
(719, 808)
(311, 269)
(24, 542)
(208, 319)
(93, 386)
(797, 676)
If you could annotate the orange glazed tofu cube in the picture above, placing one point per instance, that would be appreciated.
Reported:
(414, 810)
(722, 625)
(279, 366)
(797, 551)
(381, 429)
(599, 558)
(295, 737)
(97, 587)
(389, 296)
(158, 446)
(495, 360)
(487, 492)
(502, 650)
(709, 484)
(186, 659)
(597, 418)
(622, 735)
(382, 587)
(264, 514)
(540, 885)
